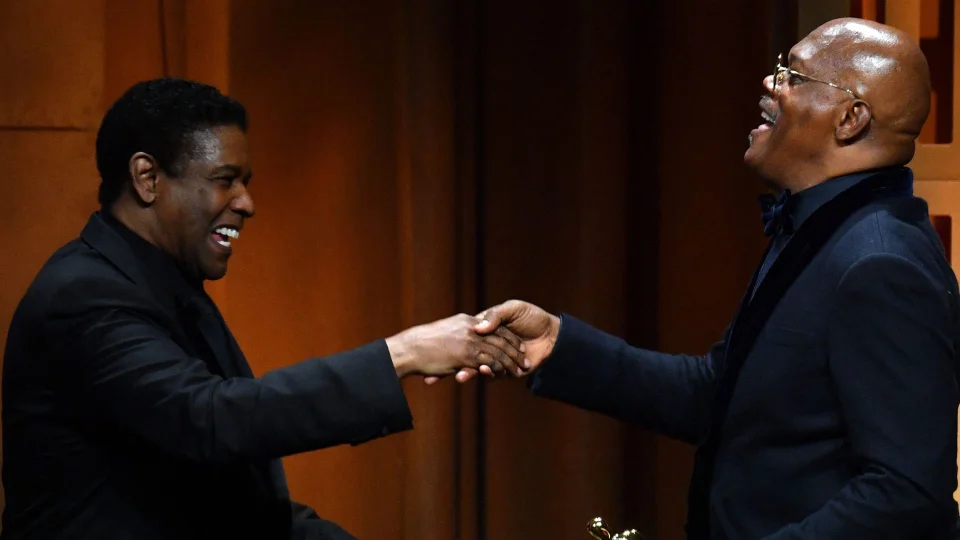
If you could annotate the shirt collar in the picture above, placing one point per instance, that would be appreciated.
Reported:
(808, 201)
(159, 268)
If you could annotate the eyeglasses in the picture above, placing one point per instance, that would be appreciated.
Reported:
(780, 72)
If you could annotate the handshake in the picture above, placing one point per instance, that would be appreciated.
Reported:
(511, 338)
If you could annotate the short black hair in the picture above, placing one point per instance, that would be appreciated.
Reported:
(158, 117)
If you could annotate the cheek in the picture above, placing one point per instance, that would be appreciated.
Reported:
(799, 129)
(810, 118)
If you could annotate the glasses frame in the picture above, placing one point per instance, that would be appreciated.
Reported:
(778, 75)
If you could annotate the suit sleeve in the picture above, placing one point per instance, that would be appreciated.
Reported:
(892, 359)
(129, 373)
(307, 525)
(593, 370)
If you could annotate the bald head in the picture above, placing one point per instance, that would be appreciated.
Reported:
(854, 96)
(885, 68)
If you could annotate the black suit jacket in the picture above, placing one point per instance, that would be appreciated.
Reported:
(828, 410)
(127, 416)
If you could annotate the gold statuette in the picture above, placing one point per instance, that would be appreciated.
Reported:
(599, 530)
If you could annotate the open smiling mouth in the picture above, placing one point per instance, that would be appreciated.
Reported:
(224, 234)
(769, 121)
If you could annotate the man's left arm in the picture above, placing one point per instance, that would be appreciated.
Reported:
(891, 358)
(307, 525)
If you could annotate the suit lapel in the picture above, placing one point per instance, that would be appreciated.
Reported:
(106, 241)
(754, 313)
(797, 255)
(745, 300)
(202, 315)
(196, 323)
(111, 245)
(239, 360)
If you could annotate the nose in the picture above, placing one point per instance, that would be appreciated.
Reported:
(768, 84)
(243, 203)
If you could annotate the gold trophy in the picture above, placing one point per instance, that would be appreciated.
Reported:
(599, 530)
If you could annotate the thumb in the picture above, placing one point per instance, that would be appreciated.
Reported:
(490, 320)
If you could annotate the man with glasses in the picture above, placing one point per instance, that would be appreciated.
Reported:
(828, 409)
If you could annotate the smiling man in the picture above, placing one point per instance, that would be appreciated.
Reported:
(129, 411)
(828, 410)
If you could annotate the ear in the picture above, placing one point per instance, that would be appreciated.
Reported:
(144, 172)
(853, 125)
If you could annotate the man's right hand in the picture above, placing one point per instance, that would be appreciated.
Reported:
(443, 347)
(536, 328)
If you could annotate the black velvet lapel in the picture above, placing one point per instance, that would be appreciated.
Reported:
(754, 312)
(805, 244)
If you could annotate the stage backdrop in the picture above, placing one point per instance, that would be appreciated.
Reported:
(418, 158)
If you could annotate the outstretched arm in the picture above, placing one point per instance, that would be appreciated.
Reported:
(119, 358)
(307, 525)
(666, 393)
(585, 367)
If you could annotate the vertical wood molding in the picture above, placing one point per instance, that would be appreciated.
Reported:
(465, 40)
(428, 213)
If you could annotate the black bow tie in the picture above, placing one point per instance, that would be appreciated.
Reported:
(776, 213)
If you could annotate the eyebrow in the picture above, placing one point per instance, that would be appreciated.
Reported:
(232, 170)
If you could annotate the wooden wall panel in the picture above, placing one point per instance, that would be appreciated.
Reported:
(315, 272)
(430, 264)
(133, 46)
(555, 161)
(710, 229)
(51, 55)
(50, 185)
(356, 200)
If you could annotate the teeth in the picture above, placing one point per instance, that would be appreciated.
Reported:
(229, 232)
(768, 118)
(223, 243)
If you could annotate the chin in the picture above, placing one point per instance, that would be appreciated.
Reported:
(213, 273)
(753, 158)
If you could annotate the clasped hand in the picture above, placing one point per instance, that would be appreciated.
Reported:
(511, 338)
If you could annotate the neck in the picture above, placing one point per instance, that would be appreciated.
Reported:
(800, 178)
(806, 176)
(131, 220)
(142, 224)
